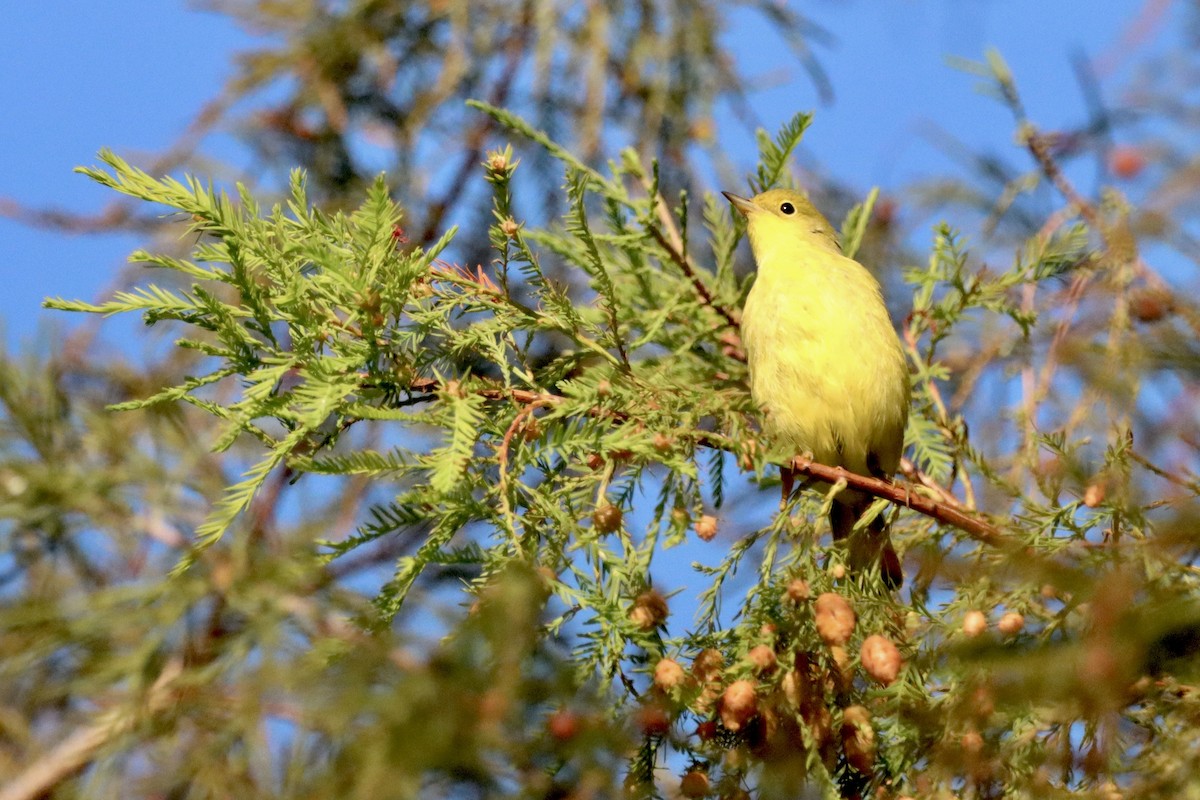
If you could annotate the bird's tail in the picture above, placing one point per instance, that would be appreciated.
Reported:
(869, 546)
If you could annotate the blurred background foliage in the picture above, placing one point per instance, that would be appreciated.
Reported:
(1063, 404)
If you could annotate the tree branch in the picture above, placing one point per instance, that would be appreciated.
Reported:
(947, 510)
(680, 260)
(903, 495)
(1036, 144)
(77, 751)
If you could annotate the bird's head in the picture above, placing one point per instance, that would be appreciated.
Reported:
(781, 216)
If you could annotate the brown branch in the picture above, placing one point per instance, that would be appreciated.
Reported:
(909, 470)
(116, 216)
(76, 751)
(519, 421)
(476, 137)
(903, 495)
(1038, 148)
(430, 386)
(949, 512)
(706, 296)
(1183, 483)
(79, 749)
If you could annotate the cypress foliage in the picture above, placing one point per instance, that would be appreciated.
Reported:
(489, 468)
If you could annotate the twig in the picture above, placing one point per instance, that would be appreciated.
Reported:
(76, 751)
(946, 511)
(935, 394)
(1031, 390)
(116, 215)
(1152, 17)
(680, 260)
(1036, 145)
(909, 470)
(668, 221)
(903, 495)
(1191, 486)
(430, 386)
(475, 140)
(502, 459)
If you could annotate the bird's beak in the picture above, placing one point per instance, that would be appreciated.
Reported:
(740, 203)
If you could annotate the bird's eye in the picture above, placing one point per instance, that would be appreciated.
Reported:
(788, 208)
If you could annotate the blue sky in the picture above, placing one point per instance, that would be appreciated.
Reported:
(129, 74)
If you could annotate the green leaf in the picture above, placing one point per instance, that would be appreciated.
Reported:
(855, 224)
(773, 154)
(449, 463)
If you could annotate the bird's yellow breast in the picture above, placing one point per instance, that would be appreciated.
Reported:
(826, 366)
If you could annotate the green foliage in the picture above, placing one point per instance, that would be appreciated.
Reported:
(855, 225)
(773, 154)
(499, 472)
(329, 323)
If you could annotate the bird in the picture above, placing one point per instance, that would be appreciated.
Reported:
(826, 366)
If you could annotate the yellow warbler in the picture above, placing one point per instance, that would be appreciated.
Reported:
(825, 363)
